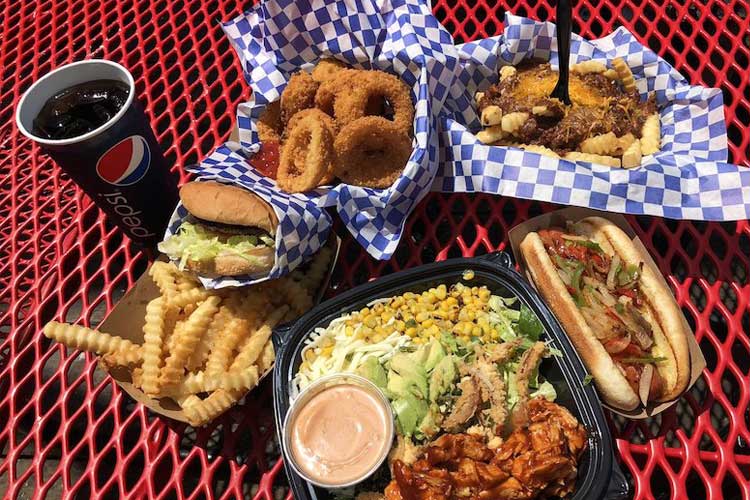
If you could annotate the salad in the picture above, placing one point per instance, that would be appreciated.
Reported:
(459, 366)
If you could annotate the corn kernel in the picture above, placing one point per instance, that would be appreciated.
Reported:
(422, 316)
(434, 331)
(440, 314)
(364, 311)
(371, 321)
(476, 331)
(465, 338)
(441, 292)
(411, 332)
(427, 323)
(349, 331)
(484, 294)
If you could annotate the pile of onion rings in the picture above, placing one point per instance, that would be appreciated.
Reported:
(338, 122)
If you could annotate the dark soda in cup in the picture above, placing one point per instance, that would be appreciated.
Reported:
(86, 117)
(80, 109)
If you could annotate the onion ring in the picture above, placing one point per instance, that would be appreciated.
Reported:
(306, 157)
(369, 86)
(314, 112)
(325, 120)
(269, 123)
(299, 94)
(330, 89)
(371, 152)
(326, 69)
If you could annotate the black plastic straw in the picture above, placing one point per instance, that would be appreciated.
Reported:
(564, 27)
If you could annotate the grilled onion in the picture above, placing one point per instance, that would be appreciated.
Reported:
(643, 328)
(612, 274)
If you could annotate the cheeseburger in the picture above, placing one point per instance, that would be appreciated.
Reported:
(229, 231)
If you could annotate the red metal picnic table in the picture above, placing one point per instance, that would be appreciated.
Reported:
(66, 430)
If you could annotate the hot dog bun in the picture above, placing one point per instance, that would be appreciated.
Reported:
(671, 334)
(660, 310)
(612, 385)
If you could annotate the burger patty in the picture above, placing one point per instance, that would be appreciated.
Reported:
(230, 229)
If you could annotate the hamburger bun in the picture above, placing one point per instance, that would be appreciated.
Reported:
(234, 265)
(225, 204)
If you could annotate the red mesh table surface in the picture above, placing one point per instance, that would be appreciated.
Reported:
(66, 430)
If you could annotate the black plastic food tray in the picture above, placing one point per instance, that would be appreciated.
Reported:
(599, 476)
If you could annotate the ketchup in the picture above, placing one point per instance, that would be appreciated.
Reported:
(266, 161)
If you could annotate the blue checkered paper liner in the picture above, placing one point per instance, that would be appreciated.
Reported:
(303, 225)
(402, 37)
(688, 179)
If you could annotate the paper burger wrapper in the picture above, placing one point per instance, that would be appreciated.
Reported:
(127, 319)
(559, 218)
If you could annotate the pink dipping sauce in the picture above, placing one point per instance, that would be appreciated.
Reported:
(340, 435)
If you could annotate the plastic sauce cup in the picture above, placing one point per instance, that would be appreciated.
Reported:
(338, 431)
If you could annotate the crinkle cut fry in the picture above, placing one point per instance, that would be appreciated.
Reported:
(202, 353)
(187, 297)
(199, 382)
(164, 276)
(254, 345)
(86, 339)
(200, 413)
(267, 357)
(188, 339)
(220, 356)
(153, 336)
(297, 295)
(241, 315)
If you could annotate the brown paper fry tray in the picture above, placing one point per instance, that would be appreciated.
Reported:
(558, 218)
(127, 318)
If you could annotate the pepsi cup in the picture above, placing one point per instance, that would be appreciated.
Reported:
(114, 157)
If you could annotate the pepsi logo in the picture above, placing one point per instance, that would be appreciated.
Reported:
(126, 162)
